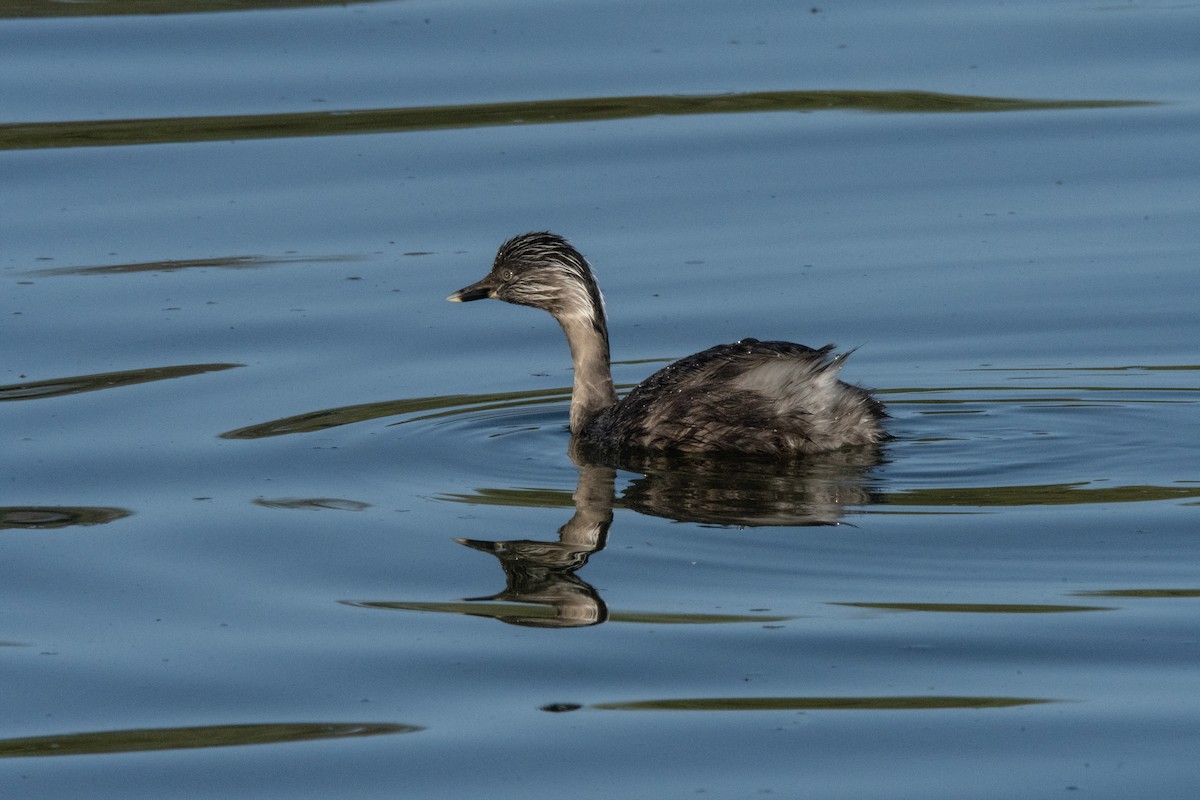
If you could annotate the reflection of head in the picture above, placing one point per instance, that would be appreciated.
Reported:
(543, 575)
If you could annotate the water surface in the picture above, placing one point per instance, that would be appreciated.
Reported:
(278, 521)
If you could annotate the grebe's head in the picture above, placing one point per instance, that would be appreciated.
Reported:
(541, 270)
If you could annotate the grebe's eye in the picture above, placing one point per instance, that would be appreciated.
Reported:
(507, 275)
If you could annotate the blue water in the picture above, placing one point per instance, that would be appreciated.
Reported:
(249, 456)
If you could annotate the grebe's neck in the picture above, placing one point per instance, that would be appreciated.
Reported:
(592, 392)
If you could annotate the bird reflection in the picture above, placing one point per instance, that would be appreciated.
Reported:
(543, 573)
(811, 490)
(815, 490)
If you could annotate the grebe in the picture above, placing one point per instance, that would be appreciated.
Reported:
(764, 398)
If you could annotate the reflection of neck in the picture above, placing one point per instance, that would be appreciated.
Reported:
(593, 390)
(593, 508)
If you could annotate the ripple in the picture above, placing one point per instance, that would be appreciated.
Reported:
(313, 503)
(147, 739)
(96, 8)
(513, 443)
(95, 133)
(421, 408)
(901, 703)
(978, 608)
(1036, 495)
(1043, 438)
(57, 387)
(176, 265)
(1141, 593)
(47, 517)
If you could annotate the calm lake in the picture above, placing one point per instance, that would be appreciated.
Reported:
(278, 521)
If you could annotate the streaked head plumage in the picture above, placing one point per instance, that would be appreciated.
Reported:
(542, 270)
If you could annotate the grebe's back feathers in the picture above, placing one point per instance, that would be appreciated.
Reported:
(754, 397)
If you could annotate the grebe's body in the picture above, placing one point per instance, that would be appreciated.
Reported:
(764, 398)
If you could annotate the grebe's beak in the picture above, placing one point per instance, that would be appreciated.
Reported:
(476, 291)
